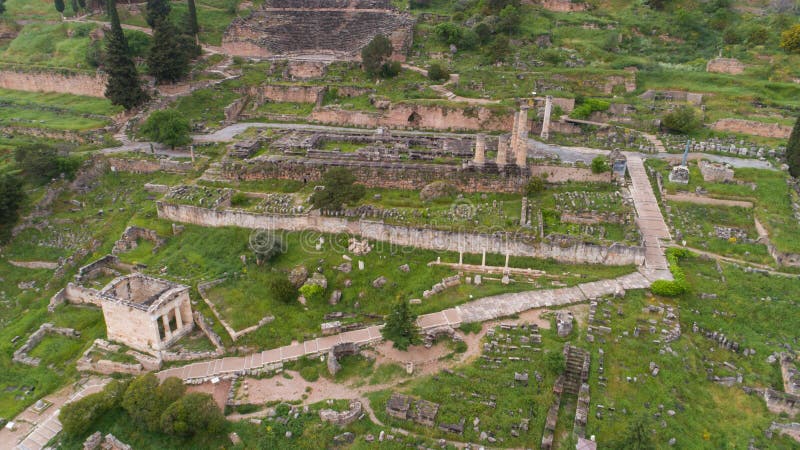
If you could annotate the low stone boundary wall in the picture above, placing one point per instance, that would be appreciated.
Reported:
(201, 288)
(342, 418)
(92, 85)
(149, 165)
(477, 243)
(21, 355)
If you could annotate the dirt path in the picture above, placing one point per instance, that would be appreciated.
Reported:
(701, 200)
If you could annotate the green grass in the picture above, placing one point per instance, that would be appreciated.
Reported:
(49, 46)
(206, 105)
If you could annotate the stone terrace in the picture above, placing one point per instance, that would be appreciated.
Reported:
(480, 310)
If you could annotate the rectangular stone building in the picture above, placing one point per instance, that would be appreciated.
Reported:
(146, 313)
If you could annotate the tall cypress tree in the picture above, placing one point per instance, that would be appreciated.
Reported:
(157, 11)
(793, 150)
(124, 87)
(2, 6)
(193, 26)
(59, 6)
(168, 60)
(75, 7)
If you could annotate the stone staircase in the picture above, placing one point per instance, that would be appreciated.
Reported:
(577, 369)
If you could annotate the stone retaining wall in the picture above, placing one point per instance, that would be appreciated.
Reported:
(149, 165)
(92, 85)
(499, 243)
(753, 128)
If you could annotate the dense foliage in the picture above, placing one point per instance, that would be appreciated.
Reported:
(682, 120)
(376, 54)
(124, 87)
(11, 198)
(401, 326)
(77, 417)
(793, 150)
(41, 162)
(339, 189)
(192, 414)
(169, 127)
(170, 55)
(678, 285)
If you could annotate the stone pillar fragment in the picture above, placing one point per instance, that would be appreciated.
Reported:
(502, 150)
(514, 133)
(521, 151)
(480, 150)
(178, 319)
(167, 331)
(548, 107)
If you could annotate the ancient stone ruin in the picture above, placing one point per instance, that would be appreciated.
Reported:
(344, 417)
(407, 408)
(145, 313)
(21, 354)
(317, 30)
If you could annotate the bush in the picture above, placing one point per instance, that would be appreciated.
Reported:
(77, 417)
(340, 189)
(375, 54)
(192, 414)
(448, 32)
(310, 373)
(41, 163)
(11, 198)
(590, 105)
(401, 326)
(793, 150)
(790, 39)
(682, 120)
(535, 186)
(600, 165)
(390, 69)
(168, 127)
(437, 72)
(312, 292)
(555, 362)
(238, 199)
(678, 285)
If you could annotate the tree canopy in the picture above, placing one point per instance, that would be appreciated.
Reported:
(401, 326)
(157, 11)
(790, 39)
(193, 414)
(168, 127)
(376, 54)
(168, 59)
(11, 198)
(124, 87)
(339, 189)
(682, 120)
(793, 150)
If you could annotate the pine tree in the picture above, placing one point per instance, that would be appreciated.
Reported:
(2, 6)
(193, 26)
(59, 6)
(157, 11)
(75, 7)
(401, 326)
(168, 60)
(793, 150)
(124, 87)
(82, 4)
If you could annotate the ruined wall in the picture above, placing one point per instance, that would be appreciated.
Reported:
(562, 5)
(287, 93)
(415, 116)
(409, 236)
(93, 136)
(383, 174)
(77, 84)
(149, 165)
(753, 128)
(730, 66)
(130, 326)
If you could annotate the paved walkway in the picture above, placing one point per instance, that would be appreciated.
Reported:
(46, 426)
(649, 219)
(487, 308)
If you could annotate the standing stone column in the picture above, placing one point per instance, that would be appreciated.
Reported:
(548, 107)
(167, 331)
(522, 138)
(514, 133)
(502, 150)
(178, 319)
(480, 150)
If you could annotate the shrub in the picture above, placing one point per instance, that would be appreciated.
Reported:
(41, 162)
(535, 186)
(340, 189)
(282, 289)
(793, 150)
(401, 327)
(589, 106)
(437, 72)
(193, 413)
(790, 39)
(78, 416)
(555, 362)
(11, 198)
(169, 127)
(448, 32)
(312, 292)
(682, 120)
(375, 54)
(678, 285)
(238, 199)
(310, 373)
(600, 165)
(390, 69)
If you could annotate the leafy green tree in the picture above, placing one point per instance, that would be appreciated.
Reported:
(790, 39)
(124, 87)
(170, 391)
(11, 198)
(682, 120)
(339, 189)
(535, 186)
(77, 417)
(437, 72)
(41, 163)
(376, 54)
(192, 414)
(168, 59)
(600, 165)
(59, 4)
(168, 127)
(510, 20)
(282, 289)
(265, 245)
(193, 26)
(448, 32)
(401, 326)
(498, 50)
(142, 403)
(157, 11)
(793, 150)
